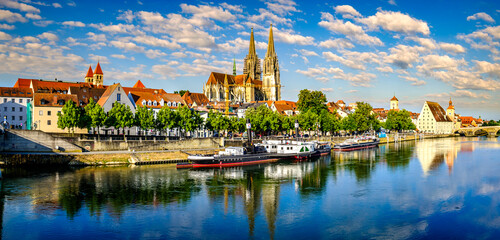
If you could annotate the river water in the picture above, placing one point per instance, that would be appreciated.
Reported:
(441, 188)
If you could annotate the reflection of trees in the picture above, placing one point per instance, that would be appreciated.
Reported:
(361, 162)
(121, 189)
(400, 158)
(314, 182)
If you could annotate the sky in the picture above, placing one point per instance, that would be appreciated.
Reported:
(351, 50)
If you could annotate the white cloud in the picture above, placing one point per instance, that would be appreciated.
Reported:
(452, 48)
(396, 22)
(492, 69)
(385, 69)
(129, 46)
(288, 36)
(329, 56)
(165, 70)
(438, 62)
(320, 71)
(19, 6)
(121, 56)
(10, 17)
(326, 89)
(352, 31)
(338, 43)
(234, 8)
(179, 54)
(347, 11)
(48, 36)
(7, 26)
(96, 37)
(392, 2)
(282, 9)
(404, 56)
(307, 52)
(424, 42)
(118, 28)
(414, 81)
(481, 16)
(211, 12)
(73, 23)
(44, 23)
(270, 17)
(56, 5)
(99, 58)
(73, 42)
(5, 36)
(135, 73)
(156, 42)
(33, 16)
(237, 45)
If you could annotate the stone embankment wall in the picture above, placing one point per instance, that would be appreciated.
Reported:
(120, 145)
(14, 140)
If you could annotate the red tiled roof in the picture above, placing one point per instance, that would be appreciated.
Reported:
(438, 112)
(16, 92)
(23, 83)
(84, 94)
(53, 99)
(394, 99)
(340, 102)
(98, 69)
(466, 120)
(107, 94)
(56, 86)
(139, 84)
(90, 73)
(198, 98)
(218, 78)
(281, 108)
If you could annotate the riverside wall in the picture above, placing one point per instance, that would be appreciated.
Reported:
(150, 145)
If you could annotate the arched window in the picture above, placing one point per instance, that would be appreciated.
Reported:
(149, 103)
(155, 103)
(174, 104)
(169, 104)
(143, 102)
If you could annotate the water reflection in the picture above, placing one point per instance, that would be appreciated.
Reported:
(387, 180)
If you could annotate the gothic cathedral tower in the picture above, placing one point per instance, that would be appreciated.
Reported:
(271, 84)
(252, 61)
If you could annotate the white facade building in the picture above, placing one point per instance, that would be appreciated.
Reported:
(433, 119)
(13, 106)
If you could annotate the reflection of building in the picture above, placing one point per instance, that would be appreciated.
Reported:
(431, 154)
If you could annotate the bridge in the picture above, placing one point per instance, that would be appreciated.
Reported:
(479, 131)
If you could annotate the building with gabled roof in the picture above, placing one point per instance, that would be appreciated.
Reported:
(115, 93)
(195, 99)
(241, 88)
(433, 119)
(46, 106)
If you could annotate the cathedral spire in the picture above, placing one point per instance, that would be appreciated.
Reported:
(270, 44)
(251, 50)
(234, 66)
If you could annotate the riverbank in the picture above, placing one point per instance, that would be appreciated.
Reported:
(99, 158)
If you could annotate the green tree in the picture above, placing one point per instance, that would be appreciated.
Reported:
(180, 92)
(187, 119)
(363, 119)
(399, 120)
(145, 118)
(329, 122)
(166, 118)
(120, 116)
(71, 117)
(311, 100)
(96, 115)
(258, 118)
(308, 120)
(237, 125)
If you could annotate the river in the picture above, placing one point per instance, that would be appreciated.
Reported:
(436, 188)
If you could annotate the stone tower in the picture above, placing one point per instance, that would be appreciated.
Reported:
(98, 75)
(394, 103)
(89, 78)
(271, 85)
(251, 65)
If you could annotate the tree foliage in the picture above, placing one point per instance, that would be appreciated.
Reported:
(399, 120)
(95, 114)
(166, 118)
(120, 116)
(189, 120)
(363, 119)
(145, 118)
(71, 117)
(311, 100)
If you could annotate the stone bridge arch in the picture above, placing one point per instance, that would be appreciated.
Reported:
(480, 132)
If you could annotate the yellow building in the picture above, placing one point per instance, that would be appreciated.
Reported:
(45, 109)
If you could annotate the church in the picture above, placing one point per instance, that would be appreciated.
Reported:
(254, 84)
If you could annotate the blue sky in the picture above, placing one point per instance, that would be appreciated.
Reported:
(351, 50)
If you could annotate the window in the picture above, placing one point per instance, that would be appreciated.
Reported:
(49, 122)
(40, 113)
(49, 113)
(118, 96)
(20, 109)
(21, 118)
(20, 100)
(28, 100)
(5, 109)
(13, 109)
(13, 118)
(4, 100)
(13, 100)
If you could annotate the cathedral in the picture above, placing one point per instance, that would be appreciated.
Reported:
(254, 84)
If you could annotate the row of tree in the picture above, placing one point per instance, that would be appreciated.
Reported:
(314, 116)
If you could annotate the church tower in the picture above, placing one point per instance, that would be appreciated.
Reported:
(251, 65)
(89, 78)
(98, 81)
(394, 103)
(450, 111)
(271, 85)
